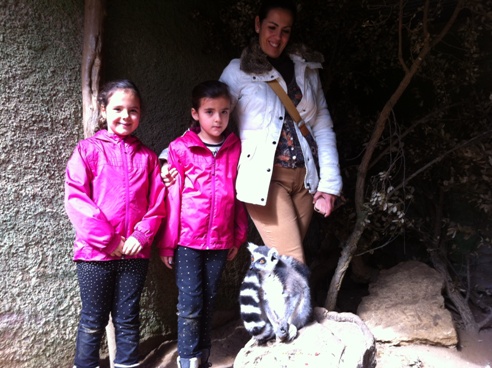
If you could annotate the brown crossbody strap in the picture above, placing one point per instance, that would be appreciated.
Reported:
(289, 106)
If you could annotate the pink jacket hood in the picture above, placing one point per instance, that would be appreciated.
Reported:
(203, 210)
(113, 188)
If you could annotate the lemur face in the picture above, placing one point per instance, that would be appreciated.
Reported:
(263, 258)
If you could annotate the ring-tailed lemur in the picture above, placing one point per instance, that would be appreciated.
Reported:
(275, 298)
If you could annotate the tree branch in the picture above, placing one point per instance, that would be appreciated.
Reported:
(388, 107)
(436, 256)
(400, 39)
(407, 131)
(459, 7)
(351, 246)
(439, 158)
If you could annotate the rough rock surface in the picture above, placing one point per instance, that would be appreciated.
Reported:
(229, 339)
(405, 306)
(331, 340)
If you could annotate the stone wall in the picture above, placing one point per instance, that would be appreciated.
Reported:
(40, 111)
(158, 45)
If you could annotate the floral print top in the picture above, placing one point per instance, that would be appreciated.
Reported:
(289, 153)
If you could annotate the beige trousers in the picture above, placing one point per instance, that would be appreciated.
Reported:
(285, 219)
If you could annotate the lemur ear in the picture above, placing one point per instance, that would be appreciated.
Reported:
(252, 246)
(273, 253)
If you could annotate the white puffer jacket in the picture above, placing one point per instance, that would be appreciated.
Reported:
(259, 114)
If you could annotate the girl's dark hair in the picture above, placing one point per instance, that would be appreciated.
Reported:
(107, 91)
(208, 89)
(268, 5)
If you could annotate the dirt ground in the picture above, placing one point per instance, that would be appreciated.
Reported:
(229, 339)
(473, 352)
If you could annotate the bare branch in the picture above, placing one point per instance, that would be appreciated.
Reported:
(425, 21)
(360, 187)
(486, 321)
(423, 120)
(400, 39)
(439, 158)
(459, 7)
(385, 112)
(438, 261)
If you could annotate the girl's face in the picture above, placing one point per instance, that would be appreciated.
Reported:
(122, 112)
(213, 116)
(274, 31)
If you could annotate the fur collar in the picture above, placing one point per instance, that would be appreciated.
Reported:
(253, 60)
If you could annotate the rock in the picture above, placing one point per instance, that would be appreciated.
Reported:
(334, 340)
(405, 306)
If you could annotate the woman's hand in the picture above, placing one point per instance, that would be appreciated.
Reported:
(168, 261)
(168, 176)
(324, 203)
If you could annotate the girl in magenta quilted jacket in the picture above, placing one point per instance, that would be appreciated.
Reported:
(207, 224)
(114, 197)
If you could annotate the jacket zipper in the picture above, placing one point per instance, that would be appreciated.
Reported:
(127, 190)
(212, 205)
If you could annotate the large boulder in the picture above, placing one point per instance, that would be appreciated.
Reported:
(332, 340)
(405, 306)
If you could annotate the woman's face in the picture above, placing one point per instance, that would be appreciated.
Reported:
(274, 31)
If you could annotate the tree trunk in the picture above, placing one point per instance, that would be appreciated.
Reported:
(438, 261)
(350, 247)
(454, 295)
(94, 13)
(348, 252)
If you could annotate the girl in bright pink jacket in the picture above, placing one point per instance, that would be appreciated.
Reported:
(207, 224)
(114, 197)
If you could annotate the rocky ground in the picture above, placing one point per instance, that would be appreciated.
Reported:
(470, 352)
(230, 339)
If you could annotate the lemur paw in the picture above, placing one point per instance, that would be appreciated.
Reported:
(282, 332)
(292, 332)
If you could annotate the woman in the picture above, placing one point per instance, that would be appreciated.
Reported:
(281, 172)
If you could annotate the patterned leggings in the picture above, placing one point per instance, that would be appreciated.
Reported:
(198, 274)
(110, 287)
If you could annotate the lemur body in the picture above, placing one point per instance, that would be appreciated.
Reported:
(275, 298)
